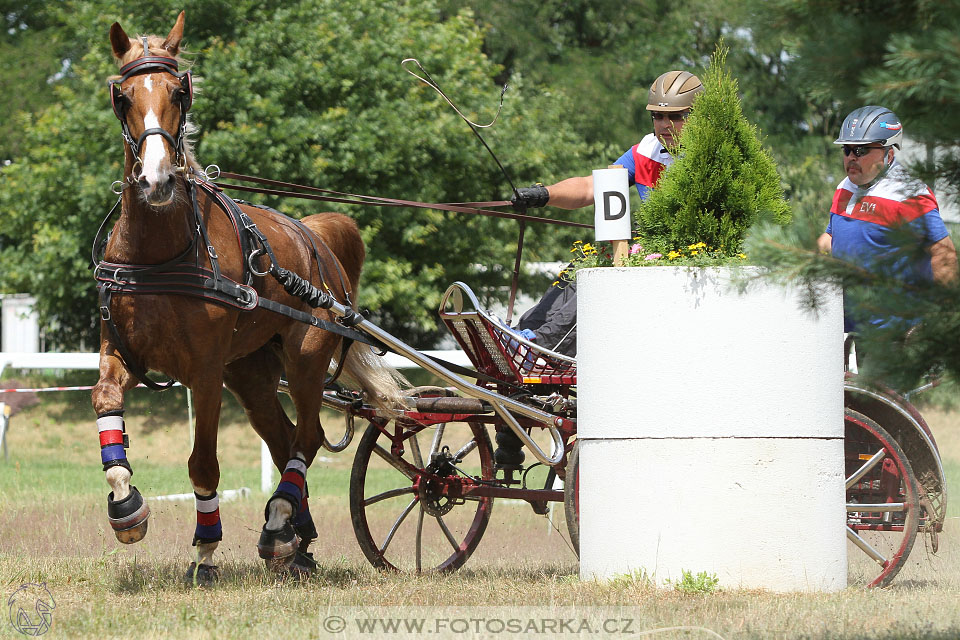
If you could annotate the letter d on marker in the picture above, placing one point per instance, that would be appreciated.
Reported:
(609, 195)
(611, 200)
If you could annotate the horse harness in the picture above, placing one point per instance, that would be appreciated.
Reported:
(184, 274)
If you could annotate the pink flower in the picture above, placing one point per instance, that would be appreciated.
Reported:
(653, 256)
(635, 248)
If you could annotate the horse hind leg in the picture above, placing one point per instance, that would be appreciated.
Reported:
(289, 531)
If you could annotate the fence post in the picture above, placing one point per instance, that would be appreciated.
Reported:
(5, 411)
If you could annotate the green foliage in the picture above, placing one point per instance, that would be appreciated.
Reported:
(700, 583)
(637, 577)
(310, 92)
(723, 180)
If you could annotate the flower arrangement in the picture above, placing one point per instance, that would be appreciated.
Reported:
(696, 255)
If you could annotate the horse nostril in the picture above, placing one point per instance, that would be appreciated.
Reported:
(144, 183)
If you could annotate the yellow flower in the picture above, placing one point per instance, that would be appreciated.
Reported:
(742, 256)
(673, 255)
(694, 252)
(588, 247)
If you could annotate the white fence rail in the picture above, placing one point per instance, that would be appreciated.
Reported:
(91, 361)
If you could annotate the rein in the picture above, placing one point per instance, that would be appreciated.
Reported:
(293, 190)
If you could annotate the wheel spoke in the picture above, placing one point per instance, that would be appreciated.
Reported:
(400, 465)
(420, 540)
(865, 547)
(437, 437)
(415, 450)
(396, 525)
(392, 493)
(867, 466)
(465, 449)
(446, 532)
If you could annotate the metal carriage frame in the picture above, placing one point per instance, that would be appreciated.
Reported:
(895, 484)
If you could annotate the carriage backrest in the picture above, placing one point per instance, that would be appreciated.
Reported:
(497, 352)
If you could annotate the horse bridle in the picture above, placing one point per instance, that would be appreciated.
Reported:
(153, 64)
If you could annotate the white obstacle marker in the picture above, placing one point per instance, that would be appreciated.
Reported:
(711, 430)
(611, 202)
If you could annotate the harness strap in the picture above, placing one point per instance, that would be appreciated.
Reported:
(133, 366)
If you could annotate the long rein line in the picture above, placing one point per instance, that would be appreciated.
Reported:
(292, 190)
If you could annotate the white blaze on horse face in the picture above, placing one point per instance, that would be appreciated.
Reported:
(155, 170)
(148, 83)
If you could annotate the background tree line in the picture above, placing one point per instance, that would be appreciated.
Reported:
(312, 92)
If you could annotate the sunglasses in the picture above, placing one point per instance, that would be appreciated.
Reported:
(858, 152)
(674, 116)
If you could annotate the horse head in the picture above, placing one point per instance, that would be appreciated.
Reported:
(151, 98)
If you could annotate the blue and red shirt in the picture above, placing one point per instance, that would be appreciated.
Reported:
(861, 219)
(644, 162)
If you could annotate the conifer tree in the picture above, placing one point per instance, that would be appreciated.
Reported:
(723, 180)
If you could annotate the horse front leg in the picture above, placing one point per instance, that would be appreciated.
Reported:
(126, 509)
(205, 477)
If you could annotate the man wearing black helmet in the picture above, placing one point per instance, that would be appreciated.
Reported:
(552, 322)
(878, 194)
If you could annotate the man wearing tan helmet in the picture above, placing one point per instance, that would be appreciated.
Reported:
(668, 102)
(552, 322)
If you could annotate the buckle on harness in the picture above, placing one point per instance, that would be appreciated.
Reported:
(105, 313)
(248, 297)
(112, 275)
(253, 256)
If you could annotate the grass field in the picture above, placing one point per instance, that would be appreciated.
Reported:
(53, 530)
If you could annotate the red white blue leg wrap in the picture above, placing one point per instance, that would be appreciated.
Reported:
(293, 482)
(113, 440)
(208, 519)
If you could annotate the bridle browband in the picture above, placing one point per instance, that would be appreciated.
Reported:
(153, 64)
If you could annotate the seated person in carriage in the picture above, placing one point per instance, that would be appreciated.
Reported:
(877, 196)
(552, 322)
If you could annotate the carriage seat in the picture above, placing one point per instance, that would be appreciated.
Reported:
(495, 349)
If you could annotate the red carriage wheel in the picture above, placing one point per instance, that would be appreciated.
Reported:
(411, 508)
(883, 509)
(571, 496)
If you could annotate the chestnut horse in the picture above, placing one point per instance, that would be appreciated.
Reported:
(184, 290)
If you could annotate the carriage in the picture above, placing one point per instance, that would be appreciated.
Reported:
(415, 466)
(218, 292)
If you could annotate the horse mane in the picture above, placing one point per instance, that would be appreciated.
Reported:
(155, 48)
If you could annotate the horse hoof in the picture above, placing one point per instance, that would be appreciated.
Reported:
(302, 566)
(278, 544)
(128, 517)
(201, 575)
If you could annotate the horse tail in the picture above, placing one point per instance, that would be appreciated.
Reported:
(381, 384)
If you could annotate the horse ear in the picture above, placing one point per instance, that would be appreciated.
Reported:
(119, 40)
(172, 43)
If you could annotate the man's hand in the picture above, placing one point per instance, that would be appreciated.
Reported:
(530, 197)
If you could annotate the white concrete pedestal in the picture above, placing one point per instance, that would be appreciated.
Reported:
(711, 429)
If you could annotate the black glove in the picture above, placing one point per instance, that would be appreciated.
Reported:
(530, 197)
